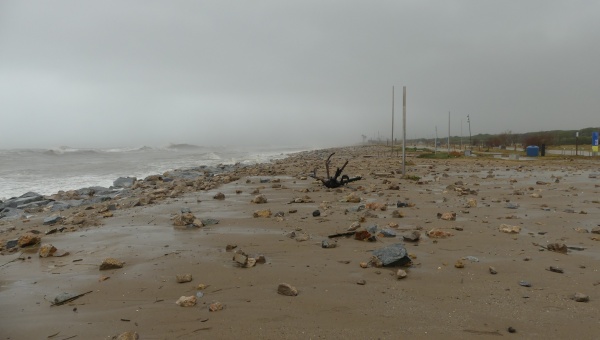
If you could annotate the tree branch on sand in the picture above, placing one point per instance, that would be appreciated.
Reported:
(332, 182)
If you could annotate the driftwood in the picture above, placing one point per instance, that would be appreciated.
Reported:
(333, 182)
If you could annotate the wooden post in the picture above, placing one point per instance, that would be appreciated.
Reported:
(392, 152)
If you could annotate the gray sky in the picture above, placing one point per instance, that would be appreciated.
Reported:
(311, 73)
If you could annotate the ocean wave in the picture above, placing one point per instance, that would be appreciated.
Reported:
(173, 146)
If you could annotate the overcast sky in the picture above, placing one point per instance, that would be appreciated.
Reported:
(311, 73)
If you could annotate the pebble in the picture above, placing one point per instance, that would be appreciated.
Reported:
(287, 289)
(184, 278)
(580, 297)
(215, 307)
(401, 274)
(493, 271)
(186, 301)
(111, 263)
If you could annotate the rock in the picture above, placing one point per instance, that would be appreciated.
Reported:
(557, 247)
(413, 236)
(580, 297)
(63, 297)
(186, 301)
(219, 196)
(524, 284)
(124, 182)
(129, 335)
(387, 233)
(111, 263)
(215, 307)
(472, 203)
(209, 221)
(187, 219)
(536, 195)
(262, 213)
(299, 236)
(240, 258)
(287, 289)
(459, 264)
(392, 255)
(364, 235)
(438, 233)
(352, 198)
(259, 199)
(361, 282)
(401, 274)
(511, 330)
(447, 216)
(510, 205)
(230, 247)
(492, 270)
(556, 269)
(327, 244)
(46, 250)
(28, 239)
(354, 226)
(316, 213)
(595, 230)
(505, 228)
(183, 278)
(11, 244)
(397, 214)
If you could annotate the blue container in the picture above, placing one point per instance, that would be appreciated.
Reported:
(532, 151)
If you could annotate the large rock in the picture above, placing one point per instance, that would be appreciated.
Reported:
(11, 213)
(392, 255)
(52, 219)
(23, 199)
(28, 239)
(124, 182)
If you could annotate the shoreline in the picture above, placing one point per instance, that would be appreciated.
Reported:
(337, 297)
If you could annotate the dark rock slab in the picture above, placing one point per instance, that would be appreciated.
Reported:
(392, 255)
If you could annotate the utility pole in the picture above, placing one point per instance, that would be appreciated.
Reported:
(469, 121)
(404, 131)
(392, 153)
(435, 146)
(461, 135)
(448, 133)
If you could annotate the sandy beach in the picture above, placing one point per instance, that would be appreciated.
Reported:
(469, 277)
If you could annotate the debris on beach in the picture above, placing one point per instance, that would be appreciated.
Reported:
(333, 182)
(447, 216)
(219, 196)
(129, 335)
(245, 261)
(352, 198)
(28, 239)
(259, 199)
(392, 255)
(262, 213)
(557, 247)
(326, 244)
(397, 214)
(187, 220)
(439, 233)
(46, 250)
(509, 229)
(63, 298)
(186, 301)
(580, 297)
(492, 270)
(303, 199)
(183, 278)
(401, 274)
(111, 263)
(287, 289)
(299, 235)
(215, 307)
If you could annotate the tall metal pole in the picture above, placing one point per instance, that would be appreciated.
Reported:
(392, 153)
(469, 121)
(435, 147)
(404, 131)
(461, 135)
(448, 133)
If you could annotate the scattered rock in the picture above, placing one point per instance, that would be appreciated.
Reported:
(111, 263)
(397, 214)
(352, 198)
(438, 233)
(183, 278)
(364, 235)
(557, 247)
(262, 213)
(316, 213)
(447, 216)
(595, 230)
(52, 220)
(361, 282)
(556, 269)
(524, 284)
(187, 301)
(326, 244)
(46, 250)
(259, 199)
(219, 196)
(493, 270)
(401, 274)
(511, 330)
(472, 203)
(28, 239)
(354, 226)
(215, 307)
(459, 264)
(509, 229)
(230, 247)
(287, 289)
(580, 297)
(392, 255)
(413, 236)
(129, 335)
(124, 182)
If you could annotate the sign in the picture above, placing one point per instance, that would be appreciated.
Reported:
(595, 141)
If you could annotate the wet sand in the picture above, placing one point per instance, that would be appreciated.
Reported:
(435, 300)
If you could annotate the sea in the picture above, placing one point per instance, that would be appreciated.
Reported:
(47, 171)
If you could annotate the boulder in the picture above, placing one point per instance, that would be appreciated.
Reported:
(28, 239)
(111, 263)
(392, 255)
(124, 182)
